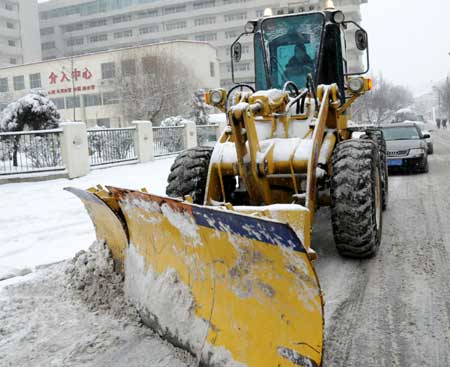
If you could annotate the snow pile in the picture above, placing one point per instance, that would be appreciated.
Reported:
(174, 121)
(91, 273)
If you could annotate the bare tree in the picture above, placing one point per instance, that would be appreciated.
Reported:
(154, 87)
(379, 105)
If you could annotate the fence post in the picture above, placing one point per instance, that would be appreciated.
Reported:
(190, 135)
(220, 128)
(144, 140)
(75, 151)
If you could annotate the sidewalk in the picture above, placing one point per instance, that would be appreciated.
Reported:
(42, 223)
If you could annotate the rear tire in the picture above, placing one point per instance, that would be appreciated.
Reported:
(189, 173)
(377, 136)
(356, 198)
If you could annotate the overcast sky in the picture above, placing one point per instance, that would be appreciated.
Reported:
(409, 40)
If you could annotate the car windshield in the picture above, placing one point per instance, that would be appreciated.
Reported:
(401, 133)
(292, 47)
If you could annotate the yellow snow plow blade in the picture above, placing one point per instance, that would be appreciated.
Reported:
(233, 289)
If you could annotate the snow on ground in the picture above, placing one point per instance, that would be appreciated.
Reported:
(42, 223)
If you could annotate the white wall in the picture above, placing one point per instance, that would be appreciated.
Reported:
(29, 26)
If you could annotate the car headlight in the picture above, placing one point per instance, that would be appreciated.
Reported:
(418, 151)
(356, 84)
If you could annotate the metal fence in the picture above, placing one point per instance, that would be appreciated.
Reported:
(111, 145)
(168, 140)
(30, 151)
(207, 135)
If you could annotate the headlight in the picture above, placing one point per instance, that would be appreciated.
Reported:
(216, 96)
(418, 151)
(338, 17)
(356, 84)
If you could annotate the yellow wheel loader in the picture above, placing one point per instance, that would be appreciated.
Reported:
(223, 266)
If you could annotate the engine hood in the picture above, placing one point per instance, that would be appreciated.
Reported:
(394, 145)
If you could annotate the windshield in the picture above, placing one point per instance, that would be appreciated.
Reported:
(292, 47)
(401, 133)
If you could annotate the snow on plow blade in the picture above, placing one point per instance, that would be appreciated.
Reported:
(233, 289)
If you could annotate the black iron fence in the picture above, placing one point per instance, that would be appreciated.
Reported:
(168, 140)
(111, 145)
(207, 135)
(30, 151)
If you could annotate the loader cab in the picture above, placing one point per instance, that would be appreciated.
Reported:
(322, 38)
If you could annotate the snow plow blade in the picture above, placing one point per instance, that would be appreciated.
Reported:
(233, 289)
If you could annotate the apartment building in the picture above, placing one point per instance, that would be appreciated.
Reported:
(89, 87)
(19, 32)
(71, 27)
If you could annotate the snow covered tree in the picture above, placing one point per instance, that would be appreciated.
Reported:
(158, 86)
(379, 105)
(31, 112)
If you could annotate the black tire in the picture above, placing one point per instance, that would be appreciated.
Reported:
(424, 168)
(377, 136)
(189, 173)
(356, 198)
(430, 149)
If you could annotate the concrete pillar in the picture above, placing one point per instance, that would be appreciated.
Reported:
(221, 128)
(75, 150)
(144, 140)
(190, 135)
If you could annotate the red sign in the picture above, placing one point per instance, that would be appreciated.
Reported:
(70, 90)
(65, 77)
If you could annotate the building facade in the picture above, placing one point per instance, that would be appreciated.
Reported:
(71, 27)
(19, 32)
(93, 87)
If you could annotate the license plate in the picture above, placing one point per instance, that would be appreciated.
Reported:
(395, 162)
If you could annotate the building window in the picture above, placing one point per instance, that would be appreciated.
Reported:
(72, 102)
(123, 34)
(150, 29)
(73, 27)
(176, 25)
(122, 18)
(48, 45)
(128, 67)
(232, 34)
(98, 38)
(35, 80)
(174, 9)
(47, 31)
(59, 103)
(229, 2)
(13, 61)
(147, 14)
(203, 21)
(235, 17)
(104, 122)
(10, 25)
(75, 41)
(11, 43)
(19, 82)
(96, 23)
(108, 70)
(206, 37)
(204, 4)
(110, 98)
(212, 70)
(9, 6)
(92, 100)
(259, 13)
(4, 85)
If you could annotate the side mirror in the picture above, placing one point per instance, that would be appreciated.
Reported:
(236, 52)
(426, 136)
(361, 39)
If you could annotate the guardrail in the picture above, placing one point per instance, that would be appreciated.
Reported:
(111, 145)
(168, 140)
(30, 151)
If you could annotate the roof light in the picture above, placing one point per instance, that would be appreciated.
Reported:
(250, 27)
(329, 5)
(338, 17)
(268, 12)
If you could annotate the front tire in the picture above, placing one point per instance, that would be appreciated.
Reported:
(356, 198)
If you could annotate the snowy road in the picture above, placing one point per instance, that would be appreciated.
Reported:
(392, 310)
